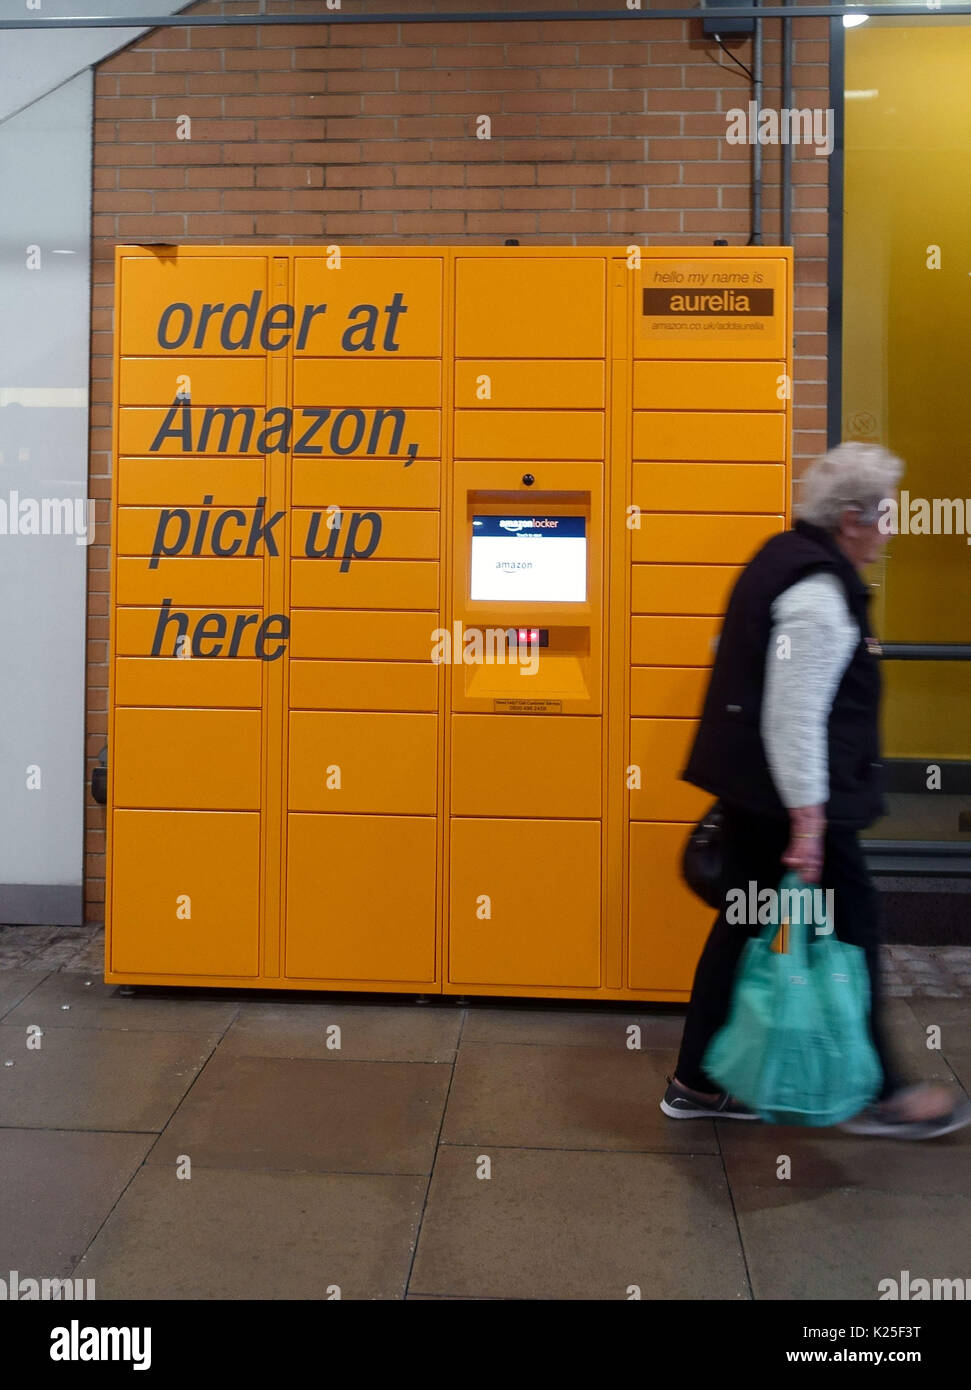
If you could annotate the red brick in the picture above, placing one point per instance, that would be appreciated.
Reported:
(574, 125)
(295, 36)
(254, 200)
(614, 54)
(390, 151)
(279, 153)
(572, 174)
(480, 199)
(321, 104)
(219, 177)
(502, 79)
(535, 101)
(351, 176)
(354, 128)
(394, 104)
(647, 173)
(288, 176)
(219, 224)
(261, 106)
(125, 202)
(131, 60)
(678, 99)
(359, 82)
(257, 60)
(158, 85)
(429, 223)
(577, 78)
(642, 223)
(477, 55)
(187, 62)
(438, 80)
(128, 108)
(359, 223)
(609, 198)
(380, 35)
(217, 37)
(291, 129)
(545, 55)
(326, 59)
(187, 152)
(301, 224)
(155, 228)
(396, 199)
(218, 82)
(324, 200)
(170, 108)
(503, 223)
(548, 198)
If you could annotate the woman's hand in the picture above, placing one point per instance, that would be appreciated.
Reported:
(804, 853)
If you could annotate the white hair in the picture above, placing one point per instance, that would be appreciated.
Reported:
(850, 475)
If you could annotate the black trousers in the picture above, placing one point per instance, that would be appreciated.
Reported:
(754, 846)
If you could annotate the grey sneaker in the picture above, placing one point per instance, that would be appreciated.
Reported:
(681, 1105)
(883, 1121)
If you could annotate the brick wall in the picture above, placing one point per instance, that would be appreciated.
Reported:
(602, 132)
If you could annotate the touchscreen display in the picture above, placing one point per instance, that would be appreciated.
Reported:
(540, 559)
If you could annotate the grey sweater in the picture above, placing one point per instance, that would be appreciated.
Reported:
(812, 641)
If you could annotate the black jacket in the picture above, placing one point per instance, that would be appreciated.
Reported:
(728, 757)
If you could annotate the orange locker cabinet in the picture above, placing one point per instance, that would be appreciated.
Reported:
(186, 893)
(422, 728)
(190, 759)
(365, 762)
(668, 924)
(375, 925)
(526, 765)
(525, 905)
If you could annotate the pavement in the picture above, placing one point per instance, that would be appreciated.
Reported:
(203, 1144)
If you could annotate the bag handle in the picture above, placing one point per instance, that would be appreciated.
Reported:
(797, 931)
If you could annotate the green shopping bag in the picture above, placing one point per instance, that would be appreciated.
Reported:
(796, 1047)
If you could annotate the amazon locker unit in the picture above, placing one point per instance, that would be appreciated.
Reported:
(419, 556)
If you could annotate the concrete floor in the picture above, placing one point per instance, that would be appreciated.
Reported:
(361, 1168)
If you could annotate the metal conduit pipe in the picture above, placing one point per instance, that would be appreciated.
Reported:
(787, 103)
(756, 238)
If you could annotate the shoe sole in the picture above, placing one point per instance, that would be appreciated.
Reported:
(677, 1114)
(916, 1129)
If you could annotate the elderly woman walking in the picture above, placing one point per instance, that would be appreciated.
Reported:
(789, 742)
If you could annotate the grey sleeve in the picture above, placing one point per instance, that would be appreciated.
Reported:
(812, 641)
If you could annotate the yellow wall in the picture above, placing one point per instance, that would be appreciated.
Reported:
(907, 357)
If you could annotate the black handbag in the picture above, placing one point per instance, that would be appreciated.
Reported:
(703, 860)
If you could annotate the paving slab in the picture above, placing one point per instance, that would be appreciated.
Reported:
(73, 999)
(310, 1116)
(574, 1028)
(553, 1225)
(367, 1032)
(15, 984)
(91, 1078)
(829, 1158)
(533, 1096)
(839, 1244)
(245, 1235)
(56, 1188)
